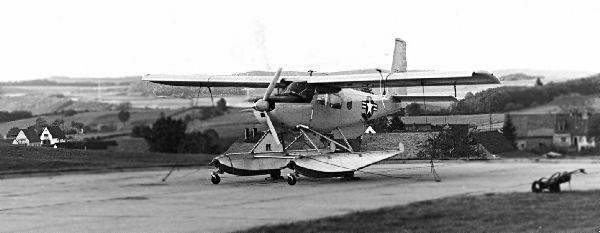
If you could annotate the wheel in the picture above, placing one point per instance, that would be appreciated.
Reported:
(291, 179)
(214, 178)
(535, 187)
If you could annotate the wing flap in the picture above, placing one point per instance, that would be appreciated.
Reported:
(407, 79)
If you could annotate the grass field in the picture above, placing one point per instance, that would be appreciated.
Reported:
(514, 212)
(23, 159)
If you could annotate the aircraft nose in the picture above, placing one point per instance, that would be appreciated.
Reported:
(261, 105)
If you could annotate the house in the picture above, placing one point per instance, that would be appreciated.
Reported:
(557, 130)
(27, 137)
(48, 136)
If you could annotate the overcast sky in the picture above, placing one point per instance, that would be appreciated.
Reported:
(116, 38)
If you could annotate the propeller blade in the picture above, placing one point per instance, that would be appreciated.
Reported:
(272, 85)
(272, 128)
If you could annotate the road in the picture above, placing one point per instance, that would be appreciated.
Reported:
(138, 201)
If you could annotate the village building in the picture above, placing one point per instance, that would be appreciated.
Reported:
(48, 136)
(554, 130)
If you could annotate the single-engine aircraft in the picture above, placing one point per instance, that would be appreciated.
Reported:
(318, 108)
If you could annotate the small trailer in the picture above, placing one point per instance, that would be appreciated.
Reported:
(552, 184)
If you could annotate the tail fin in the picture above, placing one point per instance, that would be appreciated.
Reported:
(399, 58)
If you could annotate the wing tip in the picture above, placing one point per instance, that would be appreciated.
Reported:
(493, 79)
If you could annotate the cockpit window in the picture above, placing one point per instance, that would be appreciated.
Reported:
(302, 89)
(335, 101)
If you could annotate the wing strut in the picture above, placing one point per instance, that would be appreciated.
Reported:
(304, 127)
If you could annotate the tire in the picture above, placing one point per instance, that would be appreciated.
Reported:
(536, 187)
(291, 179)
(215, 179)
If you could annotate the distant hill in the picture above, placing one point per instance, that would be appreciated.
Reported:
(512, 98)
(82, 82)
(519, 76)
(549, 75)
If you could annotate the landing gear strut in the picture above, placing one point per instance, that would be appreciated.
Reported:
(214, 178)
(292, 179)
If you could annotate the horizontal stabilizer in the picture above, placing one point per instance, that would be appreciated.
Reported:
(420, 98)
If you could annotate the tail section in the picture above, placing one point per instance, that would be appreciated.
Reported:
(399, 58)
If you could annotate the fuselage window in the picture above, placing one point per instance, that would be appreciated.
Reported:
(349, 105)
(321, 99)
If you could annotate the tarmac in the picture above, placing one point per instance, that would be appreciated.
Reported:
(137, 201)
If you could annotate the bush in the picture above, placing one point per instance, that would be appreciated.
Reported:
(141, 131)
(192, 143)
(108, 128)
(451, 143)
(165, 135)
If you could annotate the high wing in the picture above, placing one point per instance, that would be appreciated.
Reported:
(403, 79)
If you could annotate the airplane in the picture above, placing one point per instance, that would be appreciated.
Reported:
(317, 109)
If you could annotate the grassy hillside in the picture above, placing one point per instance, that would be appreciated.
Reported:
(43, 104)
(514, 212)
(137, 116)
(510, 98)
(24, 159)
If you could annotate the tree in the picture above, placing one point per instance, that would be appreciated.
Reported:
(366, 89)
(379, 124)
(123, 116)
(594, 127)
(192, 143)
(413, 109)
(213, 143)
(125, 106)
(469, 95)
(13, 131)
(77, 125)
(165, 135)
(221, 106)
(452, 142)
(396, 123)
(141, 131)
(40, 123)
(58, 122)
(538, 82)
(509, 130)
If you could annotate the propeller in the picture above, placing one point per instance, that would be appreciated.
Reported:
(272, 129)
(264, 106)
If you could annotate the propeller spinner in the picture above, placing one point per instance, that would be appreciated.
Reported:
(263, 105)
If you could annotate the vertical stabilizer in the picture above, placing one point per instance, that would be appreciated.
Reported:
(399, 59)
(398, 66)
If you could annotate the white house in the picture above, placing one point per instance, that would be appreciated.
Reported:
(50, 135)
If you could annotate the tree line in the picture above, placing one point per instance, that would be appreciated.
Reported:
(6, 116)
(169, 135)
(509, 98)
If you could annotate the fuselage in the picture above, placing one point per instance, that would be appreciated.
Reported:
(327, 111)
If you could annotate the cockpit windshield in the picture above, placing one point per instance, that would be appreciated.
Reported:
(301, 89)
